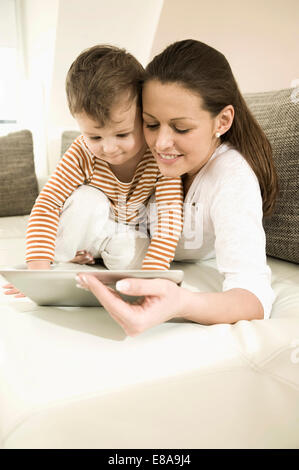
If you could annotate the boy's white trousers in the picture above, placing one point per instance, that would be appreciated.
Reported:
(87, 223)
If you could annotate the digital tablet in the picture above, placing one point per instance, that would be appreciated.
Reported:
(50, 287)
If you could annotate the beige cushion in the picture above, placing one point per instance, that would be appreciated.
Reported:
(18, 183)
(278, 114)
(67, 139)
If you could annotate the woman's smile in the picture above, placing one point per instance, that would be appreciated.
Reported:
(167, 158)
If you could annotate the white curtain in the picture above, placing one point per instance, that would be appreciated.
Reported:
(8, 31)
(8, 65)
(31, 113)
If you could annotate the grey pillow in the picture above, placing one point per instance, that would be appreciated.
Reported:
(67, 139)
(18, 183)
(278, 114)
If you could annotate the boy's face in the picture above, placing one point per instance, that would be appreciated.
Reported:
(119, 141)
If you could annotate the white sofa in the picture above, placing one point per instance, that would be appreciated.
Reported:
(70, 378)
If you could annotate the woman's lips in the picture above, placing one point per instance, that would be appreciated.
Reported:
(168, 158)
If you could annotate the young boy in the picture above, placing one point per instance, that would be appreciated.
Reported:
(95, 199)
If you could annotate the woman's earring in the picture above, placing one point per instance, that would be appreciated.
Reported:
(217, 135)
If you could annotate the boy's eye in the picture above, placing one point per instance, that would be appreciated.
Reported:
(94, 138)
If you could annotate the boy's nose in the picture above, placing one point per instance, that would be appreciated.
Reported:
(109, 147)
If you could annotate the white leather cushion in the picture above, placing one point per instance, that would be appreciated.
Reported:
(70, 378)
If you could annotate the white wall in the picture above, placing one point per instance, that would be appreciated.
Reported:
(258, 37)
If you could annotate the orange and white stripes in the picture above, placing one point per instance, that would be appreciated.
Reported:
(79, 166)
(169, 200)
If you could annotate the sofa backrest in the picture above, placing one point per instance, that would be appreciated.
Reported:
(278, 114)
(18, 183)
(67, 139)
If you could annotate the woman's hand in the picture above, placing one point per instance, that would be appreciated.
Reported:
(12, 290)
(162, 301)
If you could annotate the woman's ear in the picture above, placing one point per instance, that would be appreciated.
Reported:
(225, 119)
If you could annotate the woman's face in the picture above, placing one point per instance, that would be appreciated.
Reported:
(180, 134)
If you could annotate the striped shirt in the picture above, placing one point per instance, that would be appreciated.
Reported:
(79, 166)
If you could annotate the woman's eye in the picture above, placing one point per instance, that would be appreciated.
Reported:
(181, 131)
(151, 126)
(123, 135)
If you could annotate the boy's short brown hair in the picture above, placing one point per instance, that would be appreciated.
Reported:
(98, 77)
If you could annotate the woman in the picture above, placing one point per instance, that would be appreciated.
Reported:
(198, 126)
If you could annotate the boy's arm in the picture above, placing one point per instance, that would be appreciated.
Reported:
(44, 217)
(169, 200)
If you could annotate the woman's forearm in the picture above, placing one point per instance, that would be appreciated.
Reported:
(231, 306)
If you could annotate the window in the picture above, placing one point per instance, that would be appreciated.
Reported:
(8, 61)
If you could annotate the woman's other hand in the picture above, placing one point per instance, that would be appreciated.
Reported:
(163, 300)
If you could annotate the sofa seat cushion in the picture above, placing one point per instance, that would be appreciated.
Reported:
(12, 239)
(70, 378)
(13, 227)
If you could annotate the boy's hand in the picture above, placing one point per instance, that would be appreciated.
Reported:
(39, 264)
(83, 257)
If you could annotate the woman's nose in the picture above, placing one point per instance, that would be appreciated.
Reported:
(164, 139)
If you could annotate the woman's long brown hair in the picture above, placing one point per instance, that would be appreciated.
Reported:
(205, 71)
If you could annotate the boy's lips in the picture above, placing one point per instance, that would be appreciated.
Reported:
(112, 157)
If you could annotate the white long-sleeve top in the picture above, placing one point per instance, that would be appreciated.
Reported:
(225, 202)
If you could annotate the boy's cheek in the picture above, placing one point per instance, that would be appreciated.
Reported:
(88, 144)
(93, 148)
